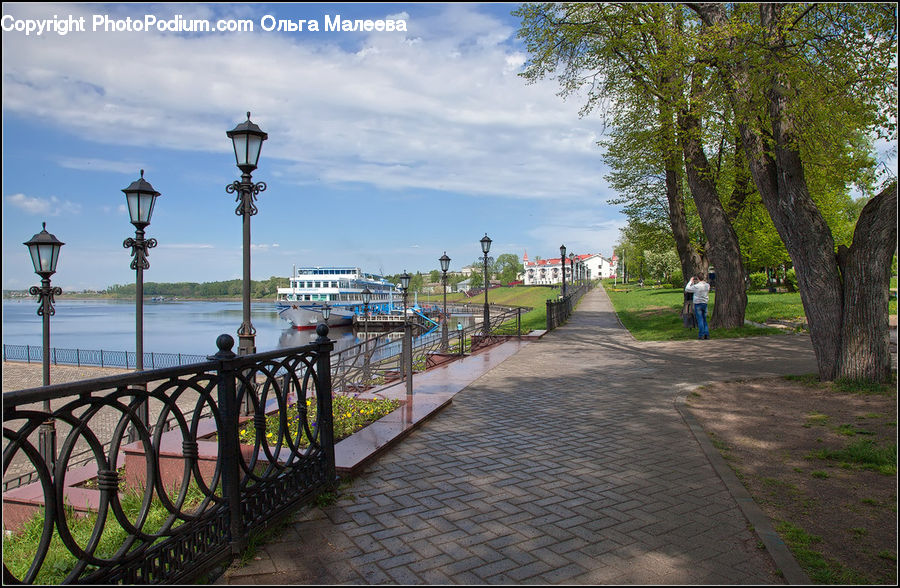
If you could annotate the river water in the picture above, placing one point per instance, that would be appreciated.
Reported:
(189, 327)
(169, 327)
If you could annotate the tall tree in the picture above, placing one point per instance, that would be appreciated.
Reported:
(804, 78)
(632, 57)
(508, 267)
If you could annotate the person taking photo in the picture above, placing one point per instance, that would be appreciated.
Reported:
(700, 289)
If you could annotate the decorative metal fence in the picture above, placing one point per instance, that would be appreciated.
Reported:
(182, 498)
(559, 311)
(378, 360)
(101, 358)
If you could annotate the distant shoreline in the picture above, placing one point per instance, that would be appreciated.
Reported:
(77, 296)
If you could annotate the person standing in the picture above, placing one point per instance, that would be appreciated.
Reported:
(687, 312)
(700, 289)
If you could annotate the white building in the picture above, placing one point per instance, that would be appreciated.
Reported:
(590, 266)
(598, 266)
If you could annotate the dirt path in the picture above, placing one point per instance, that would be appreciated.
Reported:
(770, 430)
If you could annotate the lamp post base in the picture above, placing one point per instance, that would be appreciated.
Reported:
(47, 443)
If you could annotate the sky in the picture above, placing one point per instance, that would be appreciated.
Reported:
(385, 148)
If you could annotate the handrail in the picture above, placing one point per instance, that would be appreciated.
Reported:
(239, 489)
(95, 357)
(378, 360)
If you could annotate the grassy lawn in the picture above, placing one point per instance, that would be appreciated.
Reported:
(532, 296)
(350, 414)
(654, 313)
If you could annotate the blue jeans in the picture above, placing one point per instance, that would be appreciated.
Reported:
(702, 325)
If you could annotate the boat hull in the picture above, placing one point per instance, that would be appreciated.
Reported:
(302, 316)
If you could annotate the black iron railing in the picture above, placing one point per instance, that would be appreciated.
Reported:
(96, 357)
(559, 311)
(377, 360)
(214, 486)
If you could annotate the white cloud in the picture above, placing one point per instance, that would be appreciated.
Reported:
(186, 246)
(445, 113)
(51, 206)
(94, 165)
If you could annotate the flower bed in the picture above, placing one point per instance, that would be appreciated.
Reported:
(351, 414)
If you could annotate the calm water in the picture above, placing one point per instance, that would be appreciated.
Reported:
(169, 327)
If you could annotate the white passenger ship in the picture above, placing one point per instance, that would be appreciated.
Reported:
(340, 287)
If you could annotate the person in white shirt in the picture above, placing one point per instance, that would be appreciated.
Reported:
(700, 289)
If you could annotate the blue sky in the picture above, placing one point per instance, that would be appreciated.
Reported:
(385, 149)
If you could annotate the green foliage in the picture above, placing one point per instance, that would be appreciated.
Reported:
(790, 280)
(662, 265)
(226, 289)
(676, 280)
(758, 280)
(350, 414)
(508, 267)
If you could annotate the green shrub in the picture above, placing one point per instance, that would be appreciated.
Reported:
(790, 280)
(676, 279)
(758, 280)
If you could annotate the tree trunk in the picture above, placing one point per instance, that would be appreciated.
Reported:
(845, 329)
(866, 268)
(692, 262)
(723, 249)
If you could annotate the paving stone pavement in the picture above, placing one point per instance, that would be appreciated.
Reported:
(567, 464)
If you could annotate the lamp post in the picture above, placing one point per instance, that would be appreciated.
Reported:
(445, 265)
(562, 260)
(44, 249)
(485, 248)
(366, 298)
(406, 355)
(572, 277)
(247, 139)
(141, 197)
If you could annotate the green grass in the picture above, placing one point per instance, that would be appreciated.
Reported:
(819, 569)
(845, 386)
(816, 418)
(654, 313)
(19, 548)
(862, 387)
(534, 297)
(865, 454)
(350, 415)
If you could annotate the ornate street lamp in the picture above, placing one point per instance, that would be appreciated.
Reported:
(572, 277)
(247, 139)
(44, 249)
(326, 312)
(485, 248)
(445, 265)
(366, 298)
(562, 261)
(141, 198)
(406, 355)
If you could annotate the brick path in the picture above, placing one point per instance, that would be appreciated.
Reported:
(568, 463)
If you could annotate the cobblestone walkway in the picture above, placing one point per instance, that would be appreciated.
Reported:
(568, 463)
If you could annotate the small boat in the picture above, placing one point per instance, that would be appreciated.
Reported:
(301, 303)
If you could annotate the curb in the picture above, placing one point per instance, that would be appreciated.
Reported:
(762, 526)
